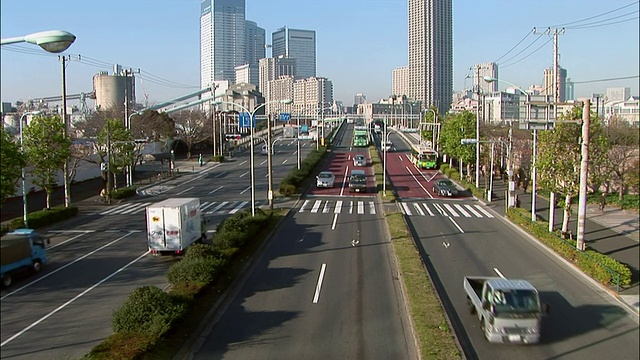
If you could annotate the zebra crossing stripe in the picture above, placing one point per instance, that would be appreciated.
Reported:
(217, 207)
(428, 210)
(133, 209)
(453, 212)
(485, 212)
(205, 205)
(407, 211)
(418, 209)
(462, 210)
(440, 210)
(372, 207)
(326, 208)
(350, 207)
(338, 207)
(302, 208)
(360, 207)
(235, 210)
(473, 210)
(316, 206)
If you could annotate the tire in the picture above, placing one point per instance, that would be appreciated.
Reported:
(36, 266)
(6, 280)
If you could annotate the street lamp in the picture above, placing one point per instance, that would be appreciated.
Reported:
(251, 117)
(435, 126)
(533, 166)
(24, 186)
(53, 41)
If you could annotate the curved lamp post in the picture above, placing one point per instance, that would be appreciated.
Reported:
(533, 166)
(53, 41)
(24, 175)
(251, 116)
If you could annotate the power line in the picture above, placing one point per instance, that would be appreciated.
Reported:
(526, 56)
(516, 45)
(592, 17)
(608, 79)
(580, 27)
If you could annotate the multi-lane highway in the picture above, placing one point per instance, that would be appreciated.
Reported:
(460, 236)
(99, 257)
(324, 288)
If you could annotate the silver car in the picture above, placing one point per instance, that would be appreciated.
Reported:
(359, 160)
(325, 179)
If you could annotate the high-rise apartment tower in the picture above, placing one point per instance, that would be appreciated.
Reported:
(431, 52)
(299, 45)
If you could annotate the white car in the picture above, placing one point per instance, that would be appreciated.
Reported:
(387, 146)
(325, 179)
(359, 160)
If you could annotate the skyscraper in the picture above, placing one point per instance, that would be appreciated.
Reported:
(480, 71)
(222, 39)
(299, 45)
(255, 49)
(431, 53)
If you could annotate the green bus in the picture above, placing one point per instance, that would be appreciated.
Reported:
(424, 157)
(361, 136)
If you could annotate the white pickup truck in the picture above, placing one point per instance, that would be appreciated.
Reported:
(509, 310)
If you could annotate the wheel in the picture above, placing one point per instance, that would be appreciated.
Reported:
(36, 266)
(6, 280)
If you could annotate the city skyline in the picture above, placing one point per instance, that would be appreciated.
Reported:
(358, 46)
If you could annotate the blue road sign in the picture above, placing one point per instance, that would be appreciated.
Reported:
(244, 120)
(304, 128)
(285, 117)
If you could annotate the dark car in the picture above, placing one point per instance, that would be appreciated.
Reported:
(445, 187)
(358, 181)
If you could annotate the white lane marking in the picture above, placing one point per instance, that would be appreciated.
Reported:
(72, 300)
(473, 211)
(327, 207)
(485, 212)
(117, 208)
(316, 206)
(344, 181)
(406, 211)
(242, 204)
(462, 210)
(66, 241)
(71, 231)
(350, 207)
(418, 208)
(285, 161)
(456, 224)
(217, 207)
(316, 296)
(440, 209)
(497, 271)
(450, 208)
(360, 207)
(428, 210)
(67, 265)
(338, 207)
(184, 191)
(244, 173)
(206, 205)
(242, 163)
(214, 190)
(264, 162)
(372, 208)
(245, 190)
(335, 221)
(220, 175)
(267, 175)
(302, 208)
(134, 208)
(417, 181)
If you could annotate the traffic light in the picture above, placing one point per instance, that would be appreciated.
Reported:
(233, 136)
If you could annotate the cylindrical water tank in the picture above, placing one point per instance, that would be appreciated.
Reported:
(111, 91)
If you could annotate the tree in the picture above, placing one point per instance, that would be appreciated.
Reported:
(46, 150)
(559, 157)
(11, 164)
(120, 140)
(621, 161)
(457, 127)
(192, 127)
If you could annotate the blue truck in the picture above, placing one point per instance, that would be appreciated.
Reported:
(20, 250)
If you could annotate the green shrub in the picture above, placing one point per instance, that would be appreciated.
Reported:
(122, 346)
(230, 239)
(200, 271)
(202, 251)
(287, 189)
(148, 310)
(217, 158)
(123, 193)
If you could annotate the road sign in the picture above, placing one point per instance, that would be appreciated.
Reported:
(468, 141)
(244, 120)
(285, 117)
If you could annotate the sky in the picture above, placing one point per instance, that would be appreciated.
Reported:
(358, 43)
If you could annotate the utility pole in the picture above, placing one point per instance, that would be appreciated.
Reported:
(584, 172)
(269, 163)
(477, 127)
(67, 186)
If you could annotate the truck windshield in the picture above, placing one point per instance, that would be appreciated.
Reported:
(515, 302)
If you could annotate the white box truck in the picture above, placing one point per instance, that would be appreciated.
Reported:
(174, 224)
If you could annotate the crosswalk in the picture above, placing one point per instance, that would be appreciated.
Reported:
(338, 206)
(444, 209)
(206, 207)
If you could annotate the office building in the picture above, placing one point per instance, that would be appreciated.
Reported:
(547, 85)
(296, 44)
(272, 69)
(222, 39)
(360, 98)
(400, 81)
(431, 53)
(480, 71)
(255, 50)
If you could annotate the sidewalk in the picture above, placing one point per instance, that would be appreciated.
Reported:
(614, 232)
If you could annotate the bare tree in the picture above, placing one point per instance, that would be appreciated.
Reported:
(621, 161)
(192, 127)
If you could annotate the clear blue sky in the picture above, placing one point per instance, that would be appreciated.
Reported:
(359, 42)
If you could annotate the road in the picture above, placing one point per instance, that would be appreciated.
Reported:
(324, 288)
(460, 237)
(99, 257)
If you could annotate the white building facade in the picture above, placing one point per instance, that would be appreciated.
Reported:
(400, 81)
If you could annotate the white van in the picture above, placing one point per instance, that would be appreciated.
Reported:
(264, 150)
